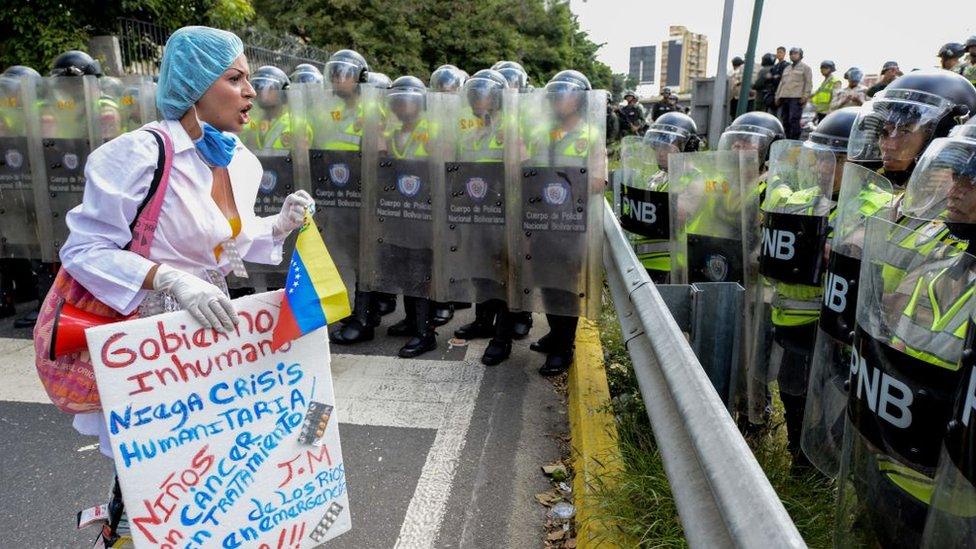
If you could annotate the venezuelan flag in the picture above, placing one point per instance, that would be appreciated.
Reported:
(314, 294)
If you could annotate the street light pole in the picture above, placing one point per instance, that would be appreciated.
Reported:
(716, 120)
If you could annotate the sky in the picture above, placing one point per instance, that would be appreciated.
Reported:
(862, 33)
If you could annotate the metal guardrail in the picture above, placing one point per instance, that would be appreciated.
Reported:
(723, 497)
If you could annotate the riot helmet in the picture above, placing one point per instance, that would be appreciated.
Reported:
(943, 185)
(379, 80)
(752, 131)
(508, 65)
(19, 71)
(75, 63)
(970, 42)
(831, 135)
(564, 92)
(951, 50)
(446, 78)
(854, 75)
(269, 84)
(345, 70)
(306, 73)
(407, 98)
(484, 92)
(903, 119)
(672, 132)
(828, 64)
(768, 60)
(517, 78)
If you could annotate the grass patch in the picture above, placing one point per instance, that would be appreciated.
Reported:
(641, 505)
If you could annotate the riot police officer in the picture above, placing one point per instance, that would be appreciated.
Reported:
(916, 108)
(341, 132)
(672, 132)
(863, 193)
(908, 344)
(477, 264)
(562, 147)
(446, 79)
(400, 245)
(516, 76)
(798, 206)
(64, 125)
(16, 185)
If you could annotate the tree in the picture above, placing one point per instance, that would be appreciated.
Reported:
(415, 36)
(34, 32)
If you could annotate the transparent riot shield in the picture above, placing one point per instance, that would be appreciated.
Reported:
(863, 193)
(18, 222)
(277, 134)
(712, 211)
(558, 220)
(641, 190)
(903, 376)
(476, 151)
(137, 103)
(794, 211)
(399, 174)
(952, 515)
(68, 123)
(335, 165)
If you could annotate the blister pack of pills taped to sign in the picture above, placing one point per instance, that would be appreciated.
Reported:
(316, 420)
(331, 515)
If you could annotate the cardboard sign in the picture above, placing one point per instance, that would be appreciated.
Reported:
(218, 441)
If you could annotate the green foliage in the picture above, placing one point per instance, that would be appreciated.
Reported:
(416, 36)
(34, 32)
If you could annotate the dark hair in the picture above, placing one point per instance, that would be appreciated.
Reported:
(780, 48)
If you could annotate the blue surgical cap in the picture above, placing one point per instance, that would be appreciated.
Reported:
(194, 58)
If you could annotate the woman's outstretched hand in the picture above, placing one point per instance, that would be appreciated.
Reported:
(292, 214)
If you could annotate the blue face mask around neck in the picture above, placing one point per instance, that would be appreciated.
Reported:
(216, 147)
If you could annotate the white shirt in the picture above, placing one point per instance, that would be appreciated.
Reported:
(118, 175)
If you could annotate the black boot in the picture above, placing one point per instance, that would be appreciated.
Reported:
(352, 332)
(496, 352)
(405, 327)
(418, 345)
(521, 324)
(482, 327)
(442, 314)
(426, 339)
(385, 303)
(556, 364)
(544, 345)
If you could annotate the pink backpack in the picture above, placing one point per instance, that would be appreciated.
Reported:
(70, 379)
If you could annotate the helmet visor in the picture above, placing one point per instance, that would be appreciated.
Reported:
(479, 90)
(405, 103)
(342, 70)
(895, 127)
(943, 185)
(823, 142)
(741, 139)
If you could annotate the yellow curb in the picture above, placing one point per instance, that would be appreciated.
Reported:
(594, 439)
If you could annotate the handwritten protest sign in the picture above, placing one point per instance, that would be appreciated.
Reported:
(218, 441)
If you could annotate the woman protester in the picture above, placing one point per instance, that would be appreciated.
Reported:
(206, 225)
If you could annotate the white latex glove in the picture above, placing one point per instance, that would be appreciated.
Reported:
(208, 305)
(292, 214)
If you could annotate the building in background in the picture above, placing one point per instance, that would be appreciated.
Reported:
(683, 57)
(643, 65)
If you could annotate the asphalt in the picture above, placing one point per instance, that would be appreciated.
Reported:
(440, 451)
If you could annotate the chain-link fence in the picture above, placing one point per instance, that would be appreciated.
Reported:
(142, 48)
